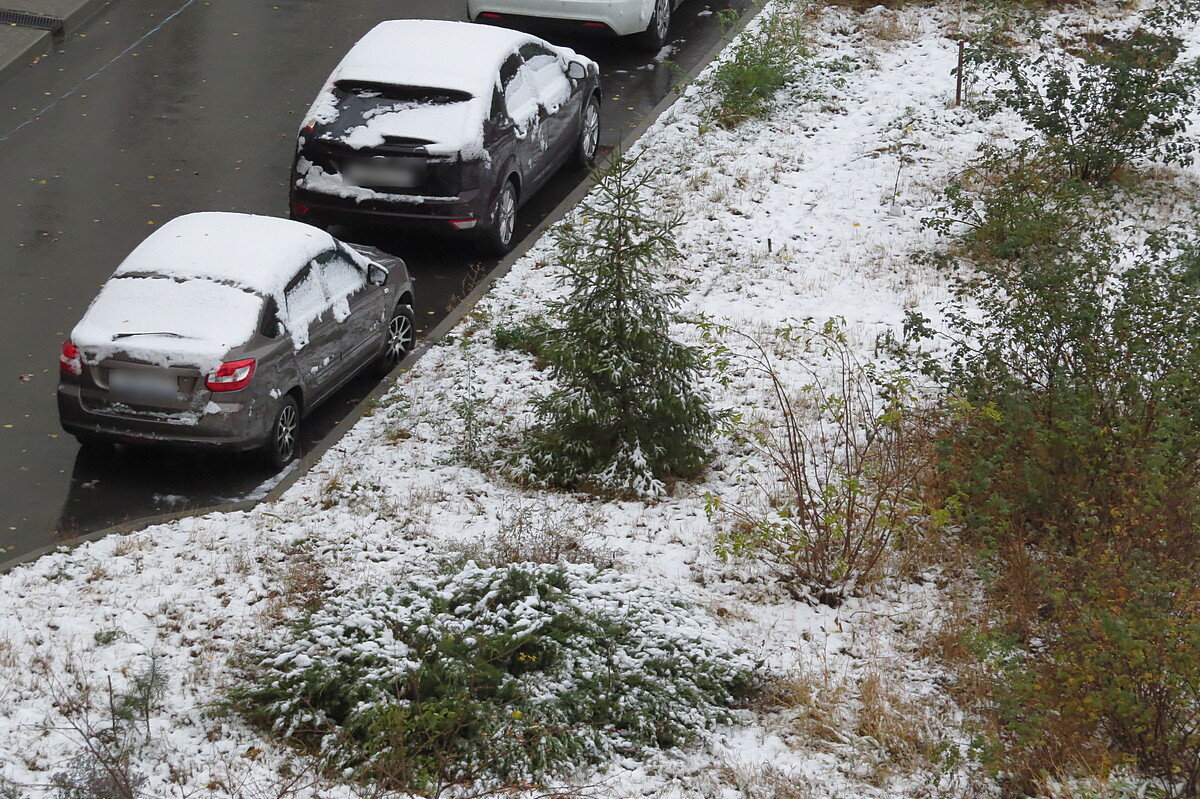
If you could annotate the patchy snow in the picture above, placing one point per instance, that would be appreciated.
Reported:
(451, 128)
(812, 213)
(549, 79)
(314, 178)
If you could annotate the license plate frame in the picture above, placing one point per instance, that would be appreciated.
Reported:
(392, 173)
(146, 384)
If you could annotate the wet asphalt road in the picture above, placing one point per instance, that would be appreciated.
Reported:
(202, 115)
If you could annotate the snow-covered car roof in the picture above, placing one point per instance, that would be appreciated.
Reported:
(438, 54)
(259, 253)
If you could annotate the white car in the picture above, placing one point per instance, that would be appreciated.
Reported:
(646, 22)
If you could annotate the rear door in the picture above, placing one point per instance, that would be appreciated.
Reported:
(522, 107)
(357, 309)
(314, 332)
(559, 107)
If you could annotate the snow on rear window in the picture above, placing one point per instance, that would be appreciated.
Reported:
(450, 128)
(189, 323)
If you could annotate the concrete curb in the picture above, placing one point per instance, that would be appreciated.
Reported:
(81, 12)
(437, 334)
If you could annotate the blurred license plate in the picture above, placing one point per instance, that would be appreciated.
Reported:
(394, 172)
(143, 383)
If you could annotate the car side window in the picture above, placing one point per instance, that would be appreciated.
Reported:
(520, 99)
(306, 300)
(270, 325)
(532, 50)
(343, 278)
(508, 70)
(547, 74)
(499, 114)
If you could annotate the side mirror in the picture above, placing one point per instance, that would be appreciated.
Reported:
(576, 71)
(377, 275)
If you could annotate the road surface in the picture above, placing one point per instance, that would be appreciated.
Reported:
(201, 115)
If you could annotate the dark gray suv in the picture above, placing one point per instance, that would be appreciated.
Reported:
(222, 330)
(444, 126)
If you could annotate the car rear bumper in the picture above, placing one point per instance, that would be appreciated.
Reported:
(622, 17)
(437, 214)
(236, 426)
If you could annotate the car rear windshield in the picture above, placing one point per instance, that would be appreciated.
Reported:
(377, 93)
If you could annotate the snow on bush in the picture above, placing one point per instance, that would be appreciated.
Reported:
(494, 675)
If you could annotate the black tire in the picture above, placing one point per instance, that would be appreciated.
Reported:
(398, 339)
(589, 134)
(657, 33)
(283, 442)
(497, 237)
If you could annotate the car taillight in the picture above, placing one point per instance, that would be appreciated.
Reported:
(231, 376)
(70, 362)
(489, 15)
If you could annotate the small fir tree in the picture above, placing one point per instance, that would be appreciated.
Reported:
(626, 414)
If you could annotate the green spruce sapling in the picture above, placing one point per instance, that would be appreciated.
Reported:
(626, 414)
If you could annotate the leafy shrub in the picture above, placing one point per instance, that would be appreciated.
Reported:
(1068, 458)
(756, 67)
(847, 472)
(1011, 206)
(494, 676)
(626, 414)
(1114, 682)
(1126, 101)
(1079, 408)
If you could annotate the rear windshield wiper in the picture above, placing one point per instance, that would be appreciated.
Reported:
(152, 333)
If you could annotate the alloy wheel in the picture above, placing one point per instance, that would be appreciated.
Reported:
(591, 130)
(506, 214)
(285, 433)
(662, 18)
(400, 338)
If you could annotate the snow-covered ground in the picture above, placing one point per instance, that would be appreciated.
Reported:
(812, 213)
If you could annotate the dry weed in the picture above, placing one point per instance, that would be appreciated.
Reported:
(805, 706)
(889, 26)
(903, 727)
(765, 781)
(536, 533)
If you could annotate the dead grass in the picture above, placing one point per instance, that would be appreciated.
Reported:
(531, 532)
(863, 6)
(305, 579)
(889, 26)
(902, 727)
(806, 707)
(765, 781)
